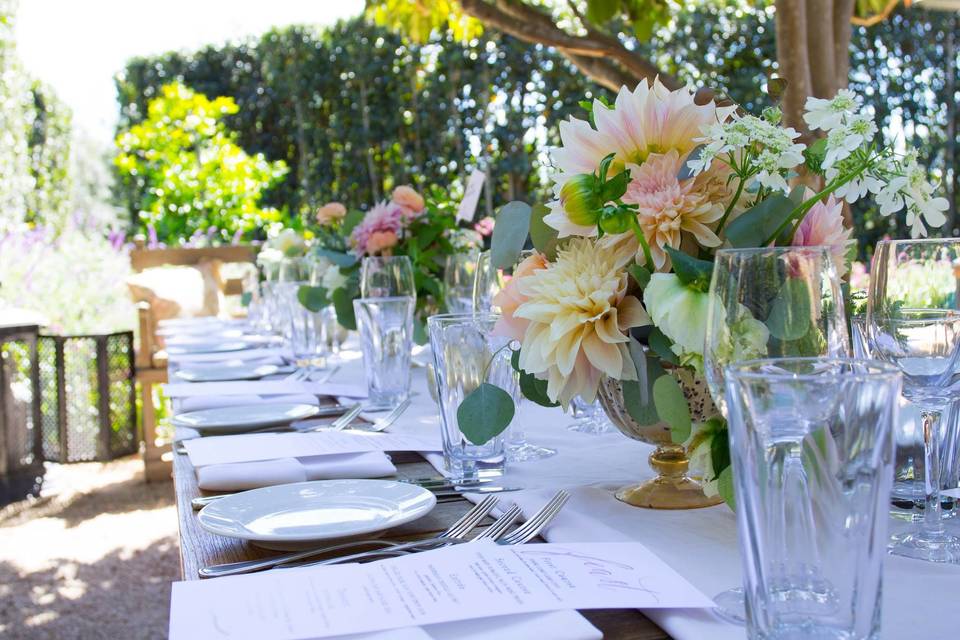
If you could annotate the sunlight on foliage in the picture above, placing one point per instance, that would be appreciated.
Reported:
(195, 175)
(419, 19)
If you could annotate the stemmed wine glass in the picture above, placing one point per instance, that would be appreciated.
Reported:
(770, 302)
(918, 330)
(489, 281)
(459, 275)
(387, 277)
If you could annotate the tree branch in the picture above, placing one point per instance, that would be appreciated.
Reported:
(600, 56)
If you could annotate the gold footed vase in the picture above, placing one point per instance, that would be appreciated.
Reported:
(672, 488)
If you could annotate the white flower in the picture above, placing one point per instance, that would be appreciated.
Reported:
(858, 187)
(332, 279)
(910, 188)
(678, 311)
(830, 114)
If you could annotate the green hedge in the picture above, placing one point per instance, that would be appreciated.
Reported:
(353, 111)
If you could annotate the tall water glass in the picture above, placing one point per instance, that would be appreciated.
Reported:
(308, 335)
(386, 277)
(812, 449)
(488, 282)
(914, 324)
(466, 354)
(386, 336)
(459, 275)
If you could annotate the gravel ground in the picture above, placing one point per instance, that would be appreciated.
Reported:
(92, 558)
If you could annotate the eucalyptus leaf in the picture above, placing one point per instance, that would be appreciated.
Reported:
(535, 390)
(720, 451)
(759, 222)
(245, 298)
(543, 236)
(485, 413)
(790, 313)
(672, 407)
(661, 345)
(343, 303)
(337, 257)
(638, 394)
(509, 234)
(692, 272)
(640, 274)
(726, 489)
(312, 298)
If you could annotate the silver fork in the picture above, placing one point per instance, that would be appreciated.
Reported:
(380, 424)
(345, 419)
(494, 531)
(523, 534)
(464, 525)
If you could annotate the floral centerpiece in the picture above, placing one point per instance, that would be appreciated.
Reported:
(406, 224)
(646, 190)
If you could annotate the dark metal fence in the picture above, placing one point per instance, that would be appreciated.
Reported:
(21, 458)
(88, 397)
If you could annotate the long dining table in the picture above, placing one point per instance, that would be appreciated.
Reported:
(701, 544)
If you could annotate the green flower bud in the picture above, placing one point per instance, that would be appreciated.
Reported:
(580, 200)
(615, 220)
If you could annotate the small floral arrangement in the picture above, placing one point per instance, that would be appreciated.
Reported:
(646, 190)
(404, 225)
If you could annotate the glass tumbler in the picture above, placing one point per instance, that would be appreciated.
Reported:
(466, 354)
(812, 445)
(386, 338)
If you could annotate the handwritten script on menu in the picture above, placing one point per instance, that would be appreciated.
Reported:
(455, 583)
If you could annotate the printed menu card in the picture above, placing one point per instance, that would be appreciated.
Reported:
(473, 580)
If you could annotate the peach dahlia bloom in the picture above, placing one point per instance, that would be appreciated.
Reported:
(330, 212)
(509, 298)
(410, 200)
(381, 242)
(578, 312)
(650, 125)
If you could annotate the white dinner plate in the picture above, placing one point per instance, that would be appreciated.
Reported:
(225, 335)
(221, 372)
(290, 516)
(221, 346)
(240, 418)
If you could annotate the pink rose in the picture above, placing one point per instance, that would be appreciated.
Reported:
(330, 213)
(509, 298)
(381, 242)
(411, 201)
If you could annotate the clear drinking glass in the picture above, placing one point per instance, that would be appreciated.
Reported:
(386, 336)
(589, 418)
(459, 274)
(812, 445)
(913, 323)
(767, 303)
(387, 277)
(487, 284)
(466, 353)
(308, 335)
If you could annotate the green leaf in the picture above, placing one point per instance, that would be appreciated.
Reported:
(790, 313)
(485, 413)
(661, 346)
(640, 274)
(544, 236)
(351, 220)
(638, 394)
(509, 234)
(756, 224)
(313, 298)
(685, 171)
(720, 451)
(726, 489)
(672, 406)
(535, 390)
(420, 335)
(337, 257)
(245, 298)
(692, 272)
(599, 11)
(615, 187)
(343, 303)
(515, 361)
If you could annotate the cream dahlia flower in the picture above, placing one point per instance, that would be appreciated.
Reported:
(579, 312)
(652, 127)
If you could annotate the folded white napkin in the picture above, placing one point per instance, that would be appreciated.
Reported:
(183, 405)
(251, 475)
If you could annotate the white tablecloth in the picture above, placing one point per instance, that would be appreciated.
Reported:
(700, 544)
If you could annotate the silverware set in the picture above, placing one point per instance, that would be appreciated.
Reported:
(307, 375)
(455, 534)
